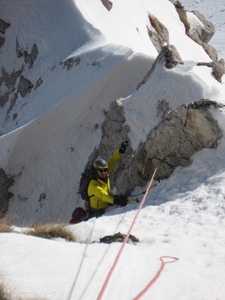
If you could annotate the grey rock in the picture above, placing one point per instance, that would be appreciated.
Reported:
(5, 195)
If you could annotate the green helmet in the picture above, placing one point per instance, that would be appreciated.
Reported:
(100, 164)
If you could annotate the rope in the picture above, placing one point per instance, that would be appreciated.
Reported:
(153, 185)
(163, 263)
(101, 260)
(125, 240)
(82, 260)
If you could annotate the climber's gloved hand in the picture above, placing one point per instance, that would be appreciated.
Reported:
(123, 147)
(120, 200)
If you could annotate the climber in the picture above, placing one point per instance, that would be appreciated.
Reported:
(99, 187)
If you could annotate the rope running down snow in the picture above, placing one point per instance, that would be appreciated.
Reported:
(126, 239)
(81, 263)
(102, 259)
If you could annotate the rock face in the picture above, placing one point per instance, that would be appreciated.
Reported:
(180, 134)
(177, 137)
(3, 27)
(208, 29)
(172, 143)
(19, 85)
(15, 82)
(168, 56)
(218, 68)
(202, 35)
(5, 195)
(108, 4)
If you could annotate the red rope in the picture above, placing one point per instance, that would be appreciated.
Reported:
(125, 240)
(163, 263)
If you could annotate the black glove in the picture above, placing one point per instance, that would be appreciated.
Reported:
(120, 200)
(123, 147)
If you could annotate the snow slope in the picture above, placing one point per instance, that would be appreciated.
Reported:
(59, 123)
(182, 217)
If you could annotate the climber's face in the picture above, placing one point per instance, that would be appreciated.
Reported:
(102, 173)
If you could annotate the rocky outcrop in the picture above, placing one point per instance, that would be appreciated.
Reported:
(25, 86)
(168, 56)
(29, 58)
(108, 4)
(172, 143)
(5, 195)
(113, 130)
(3, 26)
(118, 238)
(208, 30)
(15, 82)
(159, 35)
(218, 68)
(177, 137)
(202, 34)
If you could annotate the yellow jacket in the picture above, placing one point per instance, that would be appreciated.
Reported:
(99, 190)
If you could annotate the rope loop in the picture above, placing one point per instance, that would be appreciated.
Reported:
(151, 282)
(172, 259)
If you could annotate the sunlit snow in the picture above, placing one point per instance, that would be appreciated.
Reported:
(182, 217)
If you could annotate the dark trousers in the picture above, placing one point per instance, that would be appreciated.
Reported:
(96, 213)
